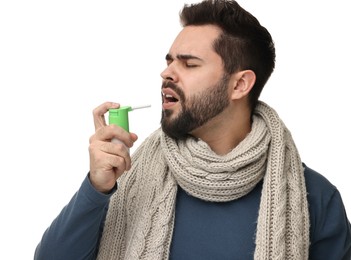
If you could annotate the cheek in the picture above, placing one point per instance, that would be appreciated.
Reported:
(195, 85)
(193, 81)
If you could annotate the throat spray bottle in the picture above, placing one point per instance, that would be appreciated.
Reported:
(119, 116)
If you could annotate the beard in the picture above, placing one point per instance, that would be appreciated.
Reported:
(195, 110)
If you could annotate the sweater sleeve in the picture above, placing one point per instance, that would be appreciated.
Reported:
(75, 232)
(331, 237)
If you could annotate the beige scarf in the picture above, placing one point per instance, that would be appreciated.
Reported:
(140, 220)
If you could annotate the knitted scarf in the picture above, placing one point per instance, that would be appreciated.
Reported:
(140, 219)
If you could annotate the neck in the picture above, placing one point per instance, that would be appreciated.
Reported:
(224, 132)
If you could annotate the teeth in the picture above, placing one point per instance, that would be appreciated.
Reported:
(167, 95)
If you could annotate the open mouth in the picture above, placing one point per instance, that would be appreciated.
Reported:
(167, 98)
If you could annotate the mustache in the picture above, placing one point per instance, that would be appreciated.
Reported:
(174, 87)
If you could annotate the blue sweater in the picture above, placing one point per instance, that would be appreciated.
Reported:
(202, 230)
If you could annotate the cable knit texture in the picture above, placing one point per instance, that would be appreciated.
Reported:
(140, 220)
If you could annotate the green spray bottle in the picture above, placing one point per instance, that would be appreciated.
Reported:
(119, 116)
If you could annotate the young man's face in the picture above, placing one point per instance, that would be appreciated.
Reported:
(195, 87)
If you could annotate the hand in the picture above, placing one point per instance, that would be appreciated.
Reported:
(108, 160)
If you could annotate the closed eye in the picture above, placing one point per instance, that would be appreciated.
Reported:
(186, 59)
(191, 65)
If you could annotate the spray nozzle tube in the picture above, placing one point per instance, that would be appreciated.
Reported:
(119, 116)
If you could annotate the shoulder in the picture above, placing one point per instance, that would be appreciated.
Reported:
(328, 218)
(316, 184)
(320, 193)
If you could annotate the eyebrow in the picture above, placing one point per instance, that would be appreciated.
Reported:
(183, 57)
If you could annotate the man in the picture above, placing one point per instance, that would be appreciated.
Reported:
(222, 178)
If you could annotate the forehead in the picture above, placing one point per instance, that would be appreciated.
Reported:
(196, 40)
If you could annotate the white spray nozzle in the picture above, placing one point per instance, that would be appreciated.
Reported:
(140, 107)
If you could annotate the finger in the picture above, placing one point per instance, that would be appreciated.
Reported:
(99, 113)
(118, 150)
(107, 157)
(118, 164)
(110, 132)
(133, 136)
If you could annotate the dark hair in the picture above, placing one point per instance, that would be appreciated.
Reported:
(244, 43)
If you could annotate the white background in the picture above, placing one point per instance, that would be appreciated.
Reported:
(61, 59)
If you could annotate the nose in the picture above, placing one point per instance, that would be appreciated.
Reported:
(169, 74)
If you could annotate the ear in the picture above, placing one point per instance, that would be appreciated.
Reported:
(242, 82)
